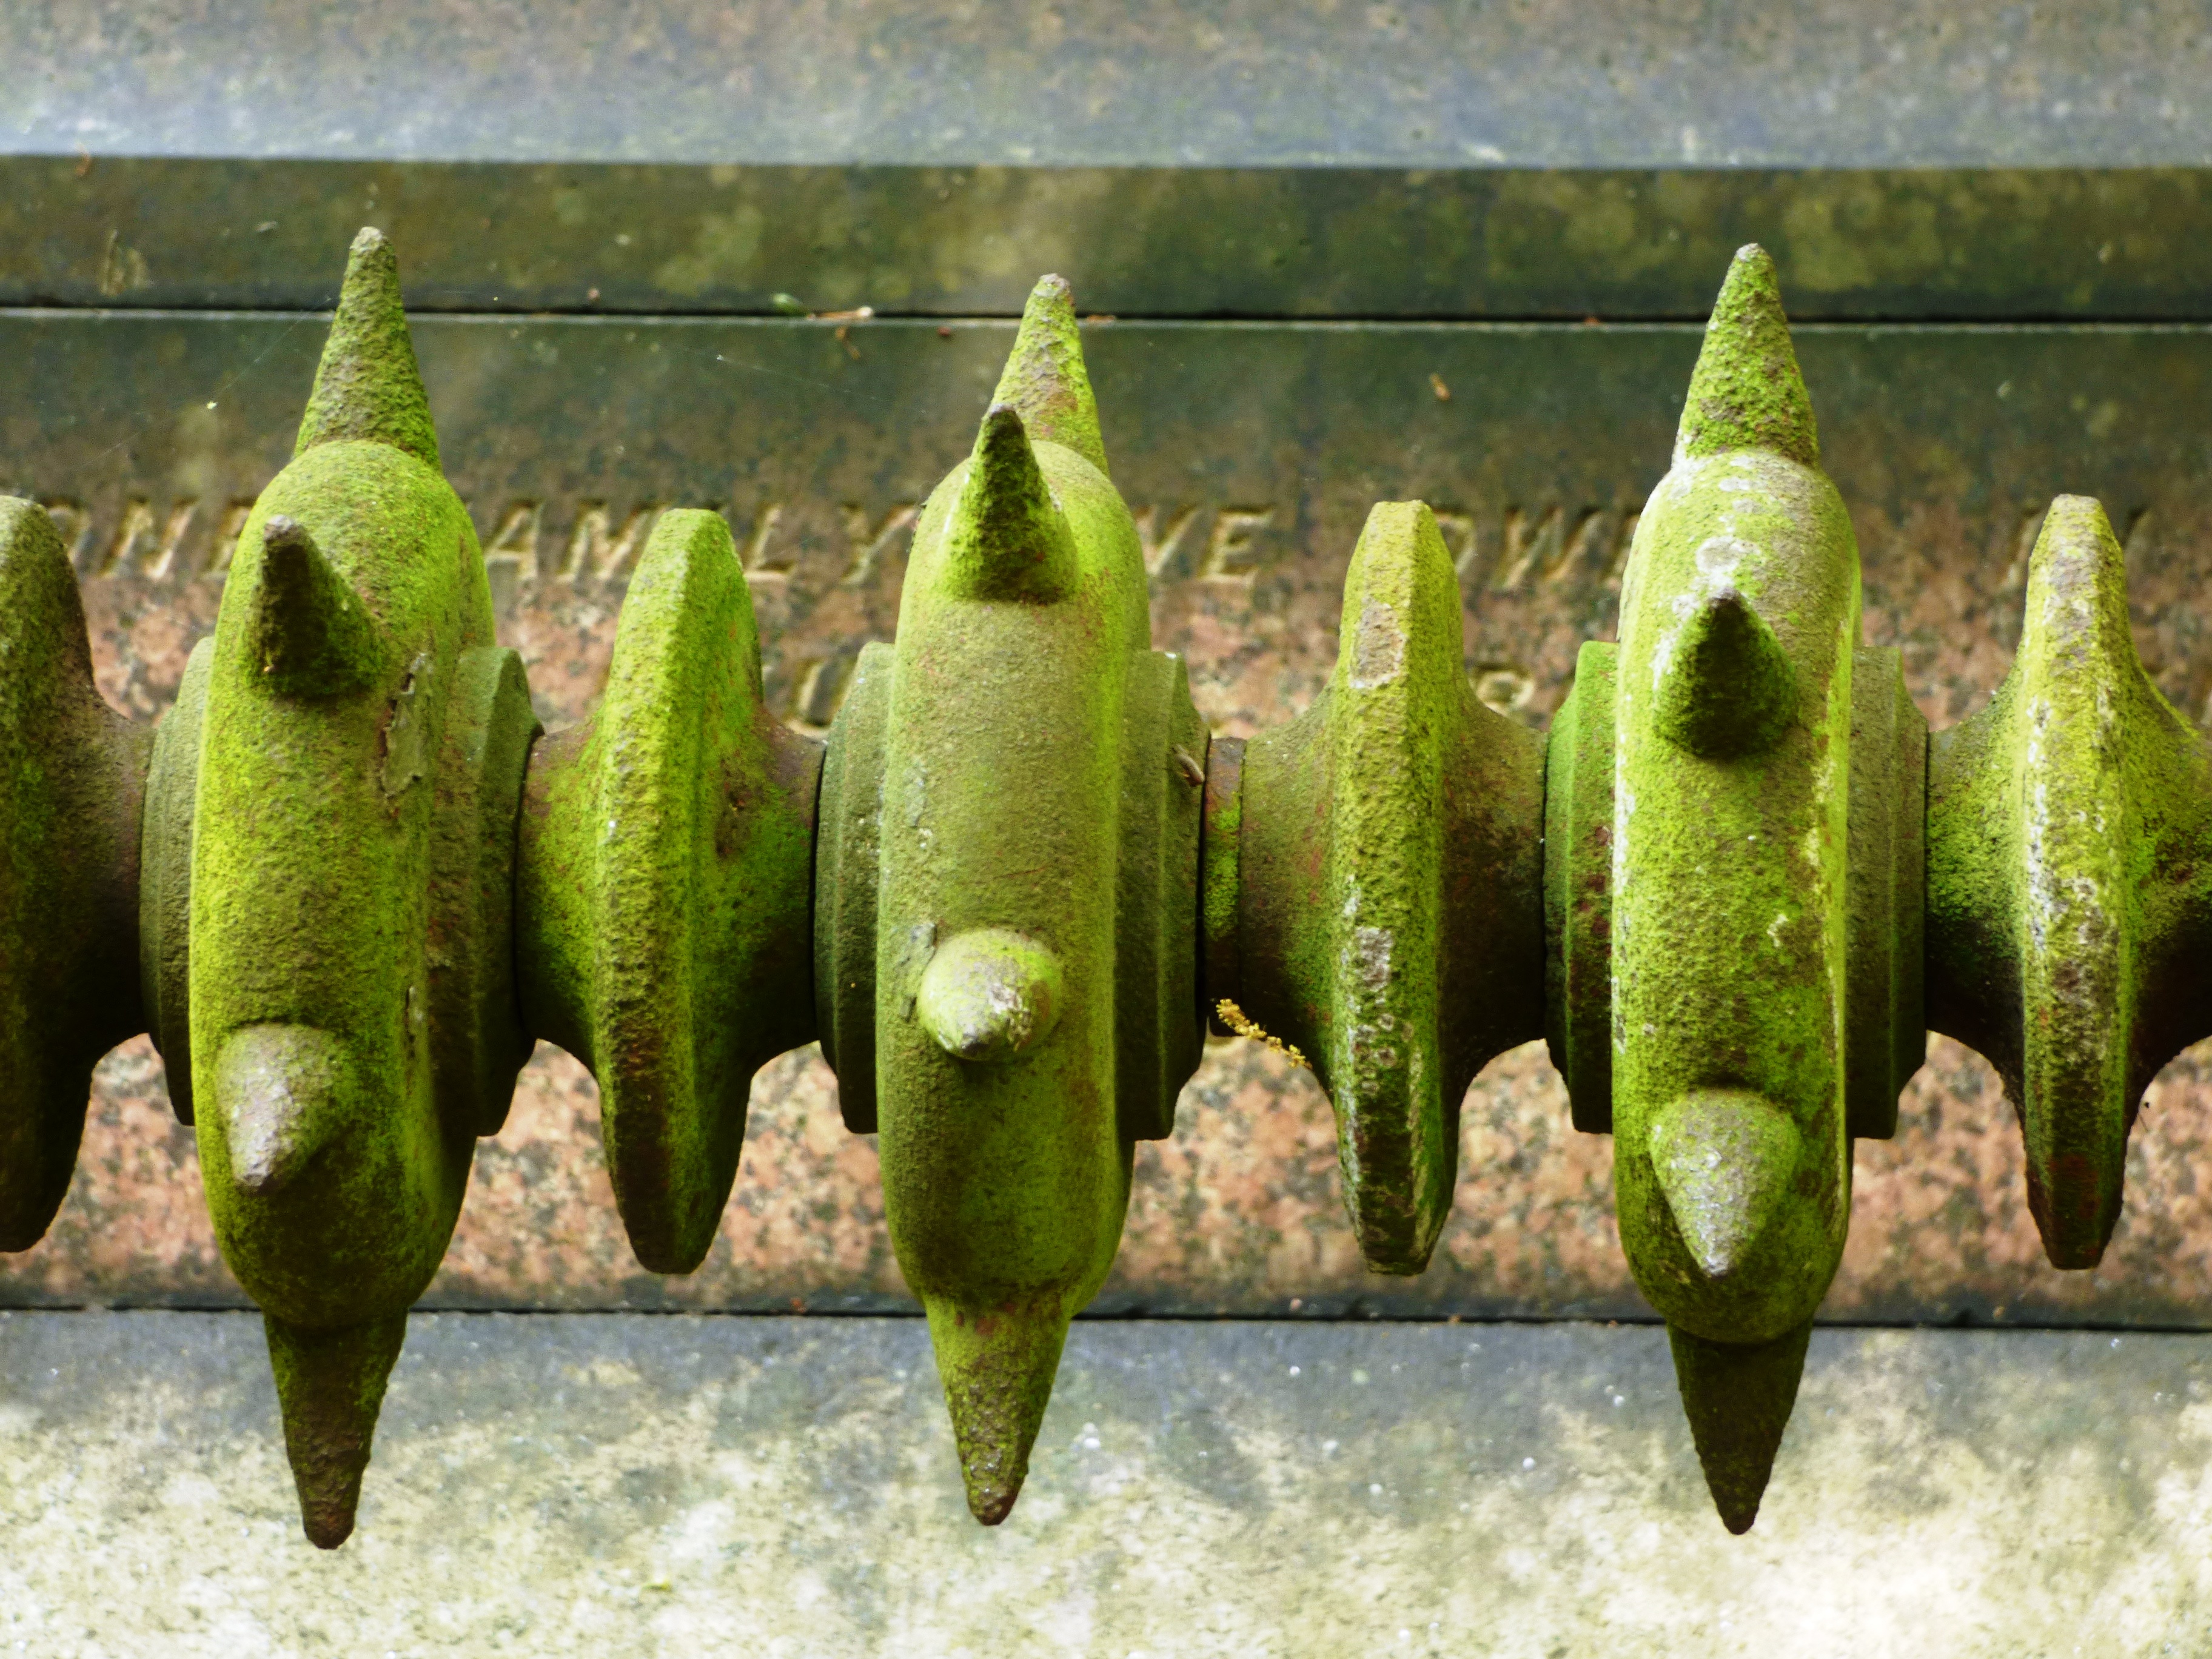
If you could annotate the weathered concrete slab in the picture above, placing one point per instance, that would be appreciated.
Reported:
(679, 1485)
(2107, 84)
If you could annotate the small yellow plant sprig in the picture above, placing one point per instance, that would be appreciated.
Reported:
(1238, 1021)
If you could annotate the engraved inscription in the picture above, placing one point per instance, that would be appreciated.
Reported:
(75, 524)
(514, 541)
(1544, 550)
(599, 553)
(872, 538)
(1160, 545)
(757, 556)
(1230, 553)
(227, 530)
(592, 544)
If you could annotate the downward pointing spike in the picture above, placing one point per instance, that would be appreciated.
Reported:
(329, 1385)
(1725, 686)
(1738, 1399)
(368, 386)
(307, 631)
(1007, 539)
(1745, 392)
(996, 1366)
(1045, 378)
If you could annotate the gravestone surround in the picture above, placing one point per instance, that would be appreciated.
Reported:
(1335, 255)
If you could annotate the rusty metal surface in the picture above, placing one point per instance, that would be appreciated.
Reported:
(1536, 444)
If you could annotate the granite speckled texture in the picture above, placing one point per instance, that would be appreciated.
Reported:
(638, 1485)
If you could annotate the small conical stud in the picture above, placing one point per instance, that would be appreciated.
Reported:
(1725, 1161)
(1726, 688)
(1745, 392)
(308, 632)
(1007, 539)
(998, 1367)
(1738, 1399)
(329, 1385)
(1045, 378)
(276, 1089)
(368, 386)
(990, 994)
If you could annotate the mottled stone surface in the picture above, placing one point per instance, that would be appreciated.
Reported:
(619, 1485)
(1167, 83)
(1251, 452)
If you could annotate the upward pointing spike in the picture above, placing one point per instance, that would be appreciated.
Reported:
(1045, 378)
(1745, 392)
(330, 1387)
(996, 1366)
(1738, 1399)
(368, 386)
(1007, 539)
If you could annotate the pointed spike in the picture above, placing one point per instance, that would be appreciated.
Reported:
(368, 386)
(1738, 1399)
(1725, 1160)
(276, 1090)
(1045, 378)
(1745, 392)
(1725, 686)
(1007, 539)
(308, 632)
(330, 1384)
(998, 1367)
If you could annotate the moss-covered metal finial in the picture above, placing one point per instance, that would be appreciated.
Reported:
(1745, 392)
(368, 386)
(1732, 885)
(1045, 378)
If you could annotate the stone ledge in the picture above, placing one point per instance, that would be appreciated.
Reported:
(632, 1484)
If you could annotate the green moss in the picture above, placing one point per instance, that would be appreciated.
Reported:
(1746, 393)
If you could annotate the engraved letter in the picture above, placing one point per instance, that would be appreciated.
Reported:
(597, 555)
(73, 523)
(1160, 545)
(1229, 552)
(756, 561)
(227, 530)
(137, 527)
(514, 543)
(869, 544)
